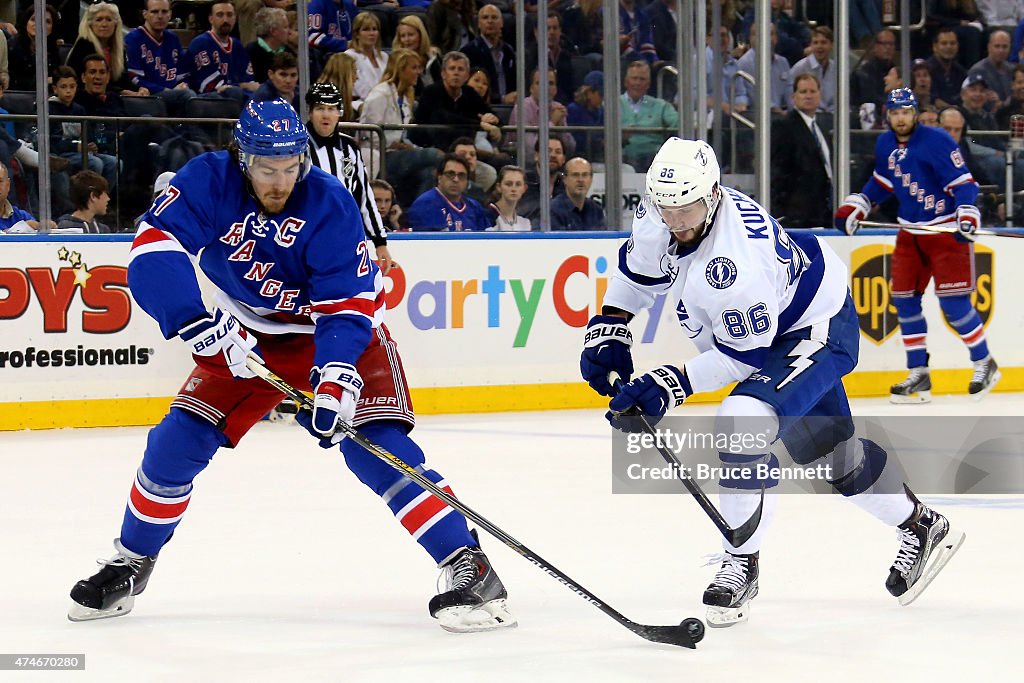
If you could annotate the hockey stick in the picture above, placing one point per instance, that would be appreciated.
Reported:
(737, 536)
(941, 228)
(686, 634)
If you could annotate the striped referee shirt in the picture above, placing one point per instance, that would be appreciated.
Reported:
(339, 155)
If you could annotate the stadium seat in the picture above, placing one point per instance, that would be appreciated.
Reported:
(212, 108)
(503, 112)
(144, 106)
(19, 101)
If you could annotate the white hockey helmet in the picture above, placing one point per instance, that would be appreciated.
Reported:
(682, 173)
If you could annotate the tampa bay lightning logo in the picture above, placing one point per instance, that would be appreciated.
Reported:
(701, 158)
(721, 272)
(641, 210)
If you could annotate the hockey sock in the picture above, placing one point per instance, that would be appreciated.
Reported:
(967, 323)
(432, 522)
(913, 328)
(862, 471)
(740, 493)
(178, 449)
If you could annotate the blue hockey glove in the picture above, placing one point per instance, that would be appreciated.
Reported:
(335, 398)
(605, 351)
(651, 394)
(220, 344)
(968, 219)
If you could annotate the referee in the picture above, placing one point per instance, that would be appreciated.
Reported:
(338, 154)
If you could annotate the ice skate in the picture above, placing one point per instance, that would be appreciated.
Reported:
(111, 591)
(916, 388)
(986, 375)
(730, 592)
(927, 542)
(472, 597)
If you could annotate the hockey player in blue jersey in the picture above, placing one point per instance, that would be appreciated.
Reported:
(283, 244)
(924, 168)
(772, 312)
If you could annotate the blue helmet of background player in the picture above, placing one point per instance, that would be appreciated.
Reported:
(901, 98)
(271, 128)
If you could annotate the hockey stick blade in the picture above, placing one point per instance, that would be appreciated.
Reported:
(736, 536)
(687, 634)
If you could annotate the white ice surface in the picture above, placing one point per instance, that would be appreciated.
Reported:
(286, 568)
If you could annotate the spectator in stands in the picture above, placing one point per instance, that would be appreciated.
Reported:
(588, 110)
(780, 90)
(531, 113)
(272, 38)
(449, 23)
(996, 68)
(640, 110)
(482, 176)
(12, 219)
(391, 103)
(636, 40)
(66, 136)
(573, 209)
(90, 197)
(453, 104)
(508, 190)
(21, 54)
(662, 15)
(489, 52)
(947, 73)
(411, 34)
(921, 82)
(444, 207)
(865, 21)
(729, 69)
(217, 61)
(282, 80)
(330, 25)
(792, 35)
(388, 207)
(1015, 105)
(97, 100)
(560, 54)
(961, 17)
(5, 74)
(819, 64)
(583, 29)
(529, 206)
(1000, 13)
(867, 82)
(154, 57)
(341, 71)
(102, 32)
(928, 116)
(365, 50)
(801, 165)
(985, 164)
(974, 95)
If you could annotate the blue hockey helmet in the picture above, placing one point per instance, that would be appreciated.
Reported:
(901, 98)
(271, 128)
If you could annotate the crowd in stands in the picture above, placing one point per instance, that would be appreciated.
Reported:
(440, 77)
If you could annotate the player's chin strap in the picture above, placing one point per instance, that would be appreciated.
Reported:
(941, 228)
(736, 536)
(687, 634)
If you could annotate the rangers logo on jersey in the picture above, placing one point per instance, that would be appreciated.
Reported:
(721, 272)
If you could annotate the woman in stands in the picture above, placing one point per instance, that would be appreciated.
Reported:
(365, 50)
(412, 35)
(21, 54)
(508, 191)
(101, 31)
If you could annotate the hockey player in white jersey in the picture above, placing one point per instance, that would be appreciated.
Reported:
(769, 311)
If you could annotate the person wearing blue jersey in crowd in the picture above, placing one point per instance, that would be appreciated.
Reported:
(926, 171)
(446, 208)
(772, 312)
(154, 57)
(297, 289)
(216, 61)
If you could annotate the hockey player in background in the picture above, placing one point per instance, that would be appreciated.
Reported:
(769, 311)
(926, 171)
(283, 243)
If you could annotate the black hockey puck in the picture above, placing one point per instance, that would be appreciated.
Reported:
(695, 628)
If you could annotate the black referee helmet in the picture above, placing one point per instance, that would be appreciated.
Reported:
(323, 93)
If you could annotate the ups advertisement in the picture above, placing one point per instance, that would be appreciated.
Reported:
(870, 271)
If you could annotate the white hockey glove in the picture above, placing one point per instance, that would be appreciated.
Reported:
(968, 219)
(851, 212)
(337, 392)
(220, 344)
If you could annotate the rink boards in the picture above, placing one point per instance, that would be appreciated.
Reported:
(484, 322)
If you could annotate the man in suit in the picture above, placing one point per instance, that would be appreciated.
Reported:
(801, 161)
(489, 52)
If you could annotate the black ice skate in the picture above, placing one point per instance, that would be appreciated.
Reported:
(916, 388)
(986, 375)
(472, 597)
(111, 591)
(927, 542)
(734, 586)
